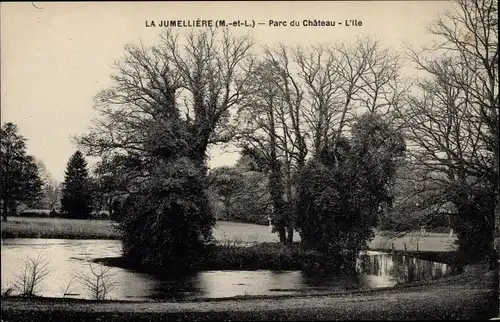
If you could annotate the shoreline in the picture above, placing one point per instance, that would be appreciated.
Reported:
(470, 295)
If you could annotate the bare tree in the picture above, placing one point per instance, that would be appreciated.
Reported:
(311, 95)
(292, 96)
(32, 274)
(452, 118)
(193, 83)
(324, 86)
(51, 188)
(99, 283)
(345, 79)
(322, 83)
(261, 139)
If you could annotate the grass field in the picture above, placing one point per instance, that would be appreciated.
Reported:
(30, 227)
(226, 232)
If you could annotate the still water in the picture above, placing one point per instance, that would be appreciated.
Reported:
(68, 259)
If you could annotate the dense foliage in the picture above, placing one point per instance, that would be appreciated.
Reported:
(164, 208)
(167, 222)
(241, 193)
(475, 223)
(20, 180)
(341, 193)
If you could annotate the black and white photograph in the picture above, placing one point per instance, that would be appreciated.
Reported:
(249, 160)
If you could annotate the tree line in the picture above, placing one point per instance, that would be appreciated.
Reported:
(27, 184)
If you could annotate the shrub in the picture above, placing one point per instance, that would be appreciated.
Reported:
(168, 222)
(341, 193)
(272, 256)
(475, 225)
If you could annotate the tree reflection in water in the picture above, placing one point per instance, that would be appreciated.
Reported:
(402, 268)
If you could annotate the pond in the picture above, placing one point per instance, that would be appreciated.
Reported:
(69, 262)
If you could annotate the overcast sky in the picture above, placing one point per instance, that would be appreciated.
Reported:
(56, 56)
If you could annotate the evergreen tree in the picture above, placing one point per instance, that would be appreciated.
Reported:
(20, 180)
(76, 199)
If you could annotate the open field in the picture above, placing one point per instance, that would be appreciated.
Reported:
(227, 232)
(31, 227)
(471, 295)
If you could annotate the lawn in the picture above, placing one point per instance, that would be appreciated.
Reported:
(31, 227)
(225, 232)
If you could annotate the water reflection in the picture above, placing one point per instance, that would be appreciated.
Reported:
(68, 257)
(401, 269)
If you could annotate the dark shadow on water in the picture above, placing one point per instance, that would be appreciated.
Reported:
(177, 288)
(373, 270)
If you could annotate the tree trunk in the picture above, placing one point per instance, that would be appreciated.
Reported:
(290, 222)
(12, 208)
(4, 211)
(199, 135)
(282, 234)
(110, 209)
(289, 239)
(276, 182)
(276, 192)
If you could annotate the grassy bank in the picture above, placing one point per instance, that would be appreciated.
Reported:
(29, 227)
(225, 231)
(469, 296)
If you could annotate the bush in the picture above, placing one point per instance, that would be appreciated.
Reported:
(341, 193)
(269, 256)
(100, 215)
(475, 226)
(54, 213)
(98, 283)
(168, 223)
(330, 219)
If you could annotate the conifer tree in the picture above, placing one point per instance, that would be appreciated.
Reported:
(76, 199)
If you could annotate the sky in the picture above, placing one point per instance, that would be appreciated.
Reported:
(55, 57)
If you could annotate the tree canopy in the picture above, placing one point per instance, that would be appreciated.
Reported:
(20, 179)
